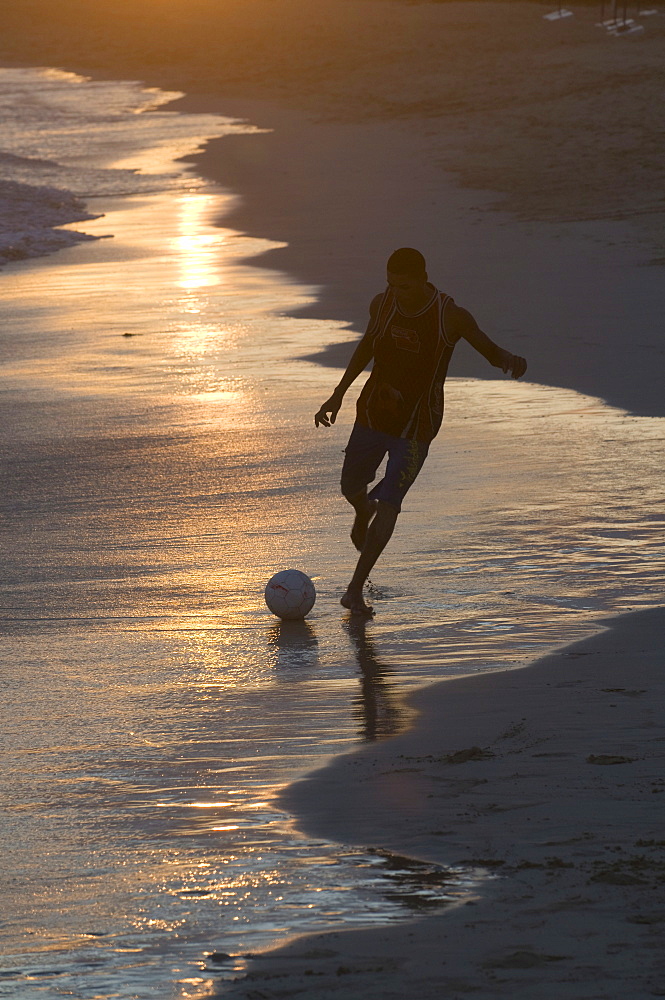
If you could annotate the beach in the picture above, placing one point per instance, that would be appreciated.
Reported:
(523, 157)
(548, 778)
(555, 124)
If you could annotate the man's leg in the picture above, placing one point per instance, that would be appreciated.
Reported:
(405, 460)
(363, 455)
(379, 534)
(365, 510)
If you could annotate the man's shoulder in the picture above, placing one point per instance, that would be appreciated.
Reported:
(453, 310)
(445, 300)
(451, 313)
(458, 320)
(376, 301)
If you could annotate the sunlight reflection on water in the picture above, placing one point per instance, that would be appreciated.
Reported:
(154, 707)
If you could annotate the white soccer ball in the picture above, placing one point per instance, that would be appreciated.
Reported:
(290, 594)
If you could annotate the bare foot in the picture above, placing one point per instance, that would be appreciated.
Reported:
(361, 523)
(355, 603)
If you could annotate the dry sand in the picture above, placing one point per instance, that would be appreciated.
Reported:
(563, 120)
(579, 300)
(376, 105)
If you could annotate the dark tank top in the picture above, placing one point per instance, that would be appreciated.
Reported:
(404, 394)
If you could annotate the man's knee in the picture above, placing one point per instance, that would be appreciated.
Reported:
(351, 492)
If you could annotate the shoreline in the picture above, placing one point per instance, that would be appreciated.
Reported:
(338, 235)
(377, 104)
(525, 945)
(548, 778)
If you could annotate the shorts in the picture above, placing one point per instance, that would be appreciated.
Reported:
(365, 452)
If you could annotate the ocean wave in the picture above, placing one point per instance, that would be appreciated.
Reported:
(65, 138)
(29, 217)
(85, 181)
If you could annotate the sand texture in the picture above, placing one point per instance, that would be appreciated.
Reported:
(397, 123)
(562, 120)
(582, 301)
(551, 779)
(525, 158)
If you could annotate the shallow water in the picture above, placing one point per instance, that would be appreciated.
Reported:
(65, 138)
(160, 464)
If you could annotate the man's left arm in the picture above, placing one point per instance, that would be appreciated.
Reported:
(464, 325)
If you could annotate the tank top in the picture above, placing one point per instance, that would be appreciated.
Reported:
(404, 394)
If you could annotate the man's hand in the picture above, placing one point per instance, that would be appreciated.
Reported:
(513, 364)
(328, 412)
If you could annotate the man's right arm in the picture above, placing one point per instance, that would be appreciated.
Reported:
(359, 360)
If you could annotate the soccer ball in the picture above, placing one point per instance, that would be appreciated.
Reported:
(290, 594)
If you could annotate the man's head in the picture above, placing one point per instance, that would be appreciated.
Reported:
(407, 276)
(406, 260)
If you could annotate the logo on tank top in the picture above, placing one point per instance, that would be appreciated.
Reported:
(405, 339)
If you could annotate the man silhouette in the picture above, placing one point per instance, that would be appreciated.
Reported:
(411, 336)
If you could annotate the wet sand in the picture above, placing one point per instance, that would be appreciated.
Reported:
(564, 294)
(377, 107)
(520, 158)
(548, 778)
(560, 794)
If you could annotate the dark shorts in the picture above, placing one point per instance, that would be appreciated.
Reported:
(364, 453)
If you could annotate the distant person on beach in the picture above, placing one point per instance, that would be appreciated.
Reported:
(412, 333)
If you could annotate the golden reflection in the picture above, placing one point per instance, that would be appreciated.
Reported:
(198, 242)
(206, 805)
(296, 644)
(195, 989)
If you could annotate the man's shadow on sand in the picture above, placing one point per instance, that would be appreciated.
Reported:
(377, 707)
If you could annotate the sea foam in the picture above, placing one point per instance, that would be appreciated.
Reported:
(65, 139)
(29, 217)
